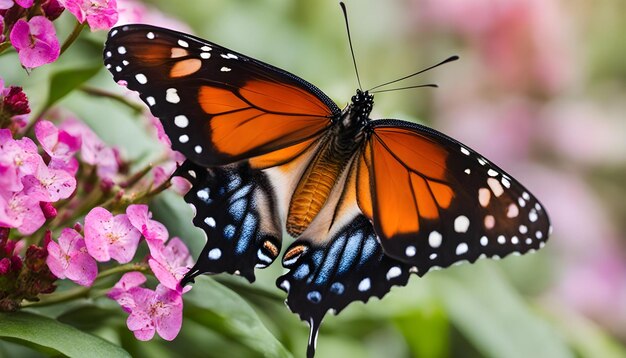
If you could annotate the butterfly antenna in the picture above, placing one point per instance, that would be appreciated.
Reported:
(345, 16)
(432, 85)
(449, 59)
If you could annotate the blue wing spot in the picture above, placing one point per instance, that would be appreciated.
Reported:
(350, 252)
(234, 183)
(368, 249)
(241, 192)
(229, 231)
(301, 272)
(248, 227)
(314, 296)
(237, 209)
(331, 260)
(337, 288)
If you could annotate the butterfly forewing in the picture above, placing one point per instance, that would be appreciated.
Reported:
(434, 201)
(216, 105)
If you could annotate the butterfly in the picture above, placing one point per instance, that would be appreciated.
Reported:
(369, 202)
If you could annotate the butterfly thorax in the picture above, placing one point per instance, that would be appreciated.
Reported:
(322, 174)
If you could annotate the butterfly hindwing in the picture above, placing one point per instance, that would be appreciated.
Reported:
(235, 207)
(216, 105)
(327, 274)
(434, 201)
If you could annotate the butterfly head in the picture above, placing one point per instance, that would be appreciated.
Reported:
(361, 106)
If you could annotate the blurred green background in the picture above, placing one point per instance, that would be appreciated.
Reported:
(540, 90)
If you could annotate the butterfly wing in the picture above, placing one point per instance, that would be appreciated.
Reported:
(217, 106)
(235, 207)
(433, 201)
(326, 274)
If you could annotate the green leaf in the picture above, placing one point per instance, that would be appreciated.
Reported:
(426, 331)
(65, 81)
(494, 318)
(227, 313)
(38, 331)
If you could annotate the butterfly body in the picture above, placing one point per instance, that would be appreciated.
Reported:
(370, 202)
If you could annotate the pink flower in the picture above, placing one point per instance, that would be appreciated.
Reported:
(18, 158)
(69, 259)
(24, 3)
(136, 12)
(93, 150)
(152, 230)
(35, 41)
(99, 14)
(160, 311)
(13, 99)
(170, 262)
(49, 185)
(109, 236)
(121, 291)
(52, 9)
(59, 144)
(20, 211)
(5, 5)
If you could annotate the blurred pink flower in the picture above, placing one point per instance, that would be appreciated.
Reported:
(121, 291)
(70, 259)
(152, 230)
(20, 211)
(109, 236)
(170, 262)
(99, 14)
(180, 185)
(521, 42)
(1, 26)
(18, 158)
(160, 311)
(59, 145)
(35, 41)
(93, 150)
(133, 12)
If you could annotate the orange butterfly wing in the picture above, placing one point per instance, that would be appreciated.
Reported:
(433, 201)
(216, 105)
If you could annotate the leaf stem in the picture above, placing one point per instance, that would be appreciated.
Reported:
(72, 36)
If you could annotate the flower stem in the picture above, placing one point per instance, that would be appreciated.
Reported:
(137, 109)
(72, 36)
(85, 292)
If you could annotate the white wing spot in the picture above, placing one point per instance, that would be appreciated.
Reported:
(205, 55)
(526, 196)
(393, 272)
(113, 33)
(495, 186)
(501, 239)
(465, 151)
(434, 239)
(125, 63)
(171, 95)
(506, 182)
(108, 66)
(151, 101)
(209, 221)
(542, 244)
(225, 69)
(467, 171)
(490, 222)
(514, 240)
(532, 215)
(521, 202)
(484, 195)
(461, 224)
(410, 251)
(285, 285)
(181, 121)
(141, 78)
(462, 248)
(482, 161)
(538, 206)
(183, 138)
(215, 254)
(121, 50)
(492, 173)
(512, 211)
(433, 256)
(365, 285)
(118, 69)
(523, 229)
(484, 240)
(198, 149)
(529, 241)
(150, 35)
(539, 235)
(182, 43)
(205, 48)
(109, 54)
(192, 173)
(203, 194)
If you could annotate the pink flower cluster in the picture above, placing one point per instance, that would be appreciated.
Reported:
(29, 185)
(117, 237)
(34, 37)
